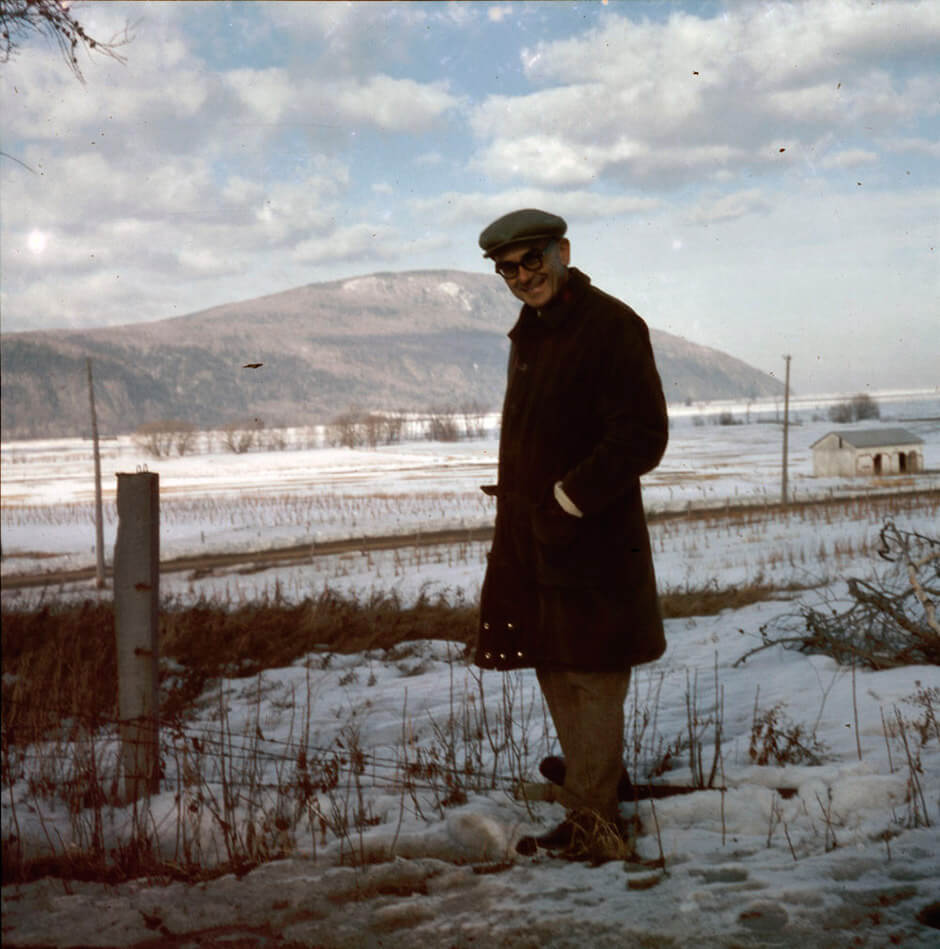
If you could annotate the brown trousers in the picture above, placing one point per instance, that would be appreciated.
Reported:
(587, 709)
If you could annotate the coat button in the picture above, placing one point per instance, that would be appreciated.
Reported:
(519, 653)
(502, 655)
(487, 655)
(486, 625)
(509, 626)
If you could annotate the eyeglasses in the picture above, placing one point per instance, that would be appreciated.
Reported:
(532, 261)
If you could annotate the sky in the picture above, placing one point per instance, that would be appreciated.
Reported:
(762, 178)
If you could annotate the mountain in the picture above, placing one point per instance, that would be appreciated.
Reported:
(413, 340)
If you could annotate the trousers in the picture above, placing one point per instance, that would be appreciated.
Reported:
(587, 711)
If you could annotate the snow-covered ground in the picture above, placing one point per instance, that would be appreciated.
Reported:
(849, 859)
(219, 501)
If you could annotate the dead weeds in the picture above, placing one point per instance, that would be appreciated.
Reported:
(60, 661)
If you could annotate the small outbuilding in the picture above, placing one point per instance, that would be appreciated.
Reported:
(868, 451)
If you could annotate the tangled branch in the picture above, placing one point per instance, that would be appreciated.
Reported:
(891, 621)
(55, 20)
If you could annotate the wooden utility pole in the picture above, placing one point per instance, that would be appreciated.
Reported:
(786, 431)
(99, 520)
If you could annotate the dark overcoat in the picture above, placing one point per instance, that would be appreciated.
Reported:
(584, 406)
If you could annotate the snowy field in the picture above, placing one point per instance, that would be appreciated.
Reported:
(219, 501)
(849, 858)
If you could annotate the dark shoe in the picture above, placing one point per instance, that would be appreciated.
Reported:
(527, 846)
(558, 838)
(586, 836)
(553, 768)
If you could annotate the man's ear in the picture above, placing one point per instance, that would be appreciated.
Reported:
(564, 250)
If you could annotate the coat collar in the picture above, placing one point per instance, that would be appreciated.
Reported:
(559, 310)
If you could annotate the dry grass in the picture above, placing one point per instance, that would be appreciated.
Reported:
(711, 600)
(67, 650)
(256, 795)
(60, 703)
(59, 665)
(319, 788)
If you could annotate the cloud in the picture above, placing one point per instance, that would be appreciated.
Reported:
(246, 148)
(159, 222)
(347, 38)
(712, 209)
(267, 93)
(172, 173)
(429, 158)
(849, 158)
(921, 146)
(203, 262)
(553, 161)
(468, 209)
(275, 96)
(683, 100)
(357, 241)
(541, 159)
(397, 105)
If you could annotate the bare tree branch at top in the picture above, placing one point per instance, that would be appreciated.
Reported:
(54, 19)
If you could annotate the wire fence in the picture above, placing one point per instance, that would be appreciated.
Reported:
(427, 765)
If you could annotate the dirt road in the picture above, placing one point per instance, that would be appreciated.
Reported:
(881, 505)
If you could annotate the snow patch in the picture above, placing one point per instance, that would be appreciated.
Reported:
(362, 285)
(456, 292)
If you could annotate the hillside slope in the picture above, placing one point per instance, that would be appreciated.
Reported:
(412, 340)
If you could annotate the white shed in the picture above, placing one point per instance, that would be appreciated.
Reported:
(868, 451)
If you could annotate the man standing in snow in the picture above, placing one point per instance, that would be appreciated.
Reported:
(569, 587)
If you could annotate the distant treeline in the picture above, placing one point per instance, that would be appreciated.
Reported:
(351, 429)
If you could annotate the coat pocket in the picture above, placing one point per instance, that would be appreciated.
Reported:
(554, 527)
(576, 554)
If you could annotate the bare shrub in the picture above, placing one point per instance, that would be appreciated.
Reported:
(841, 413)
(903, 732)
(353, 428)
(927, 726)
(442, 426)
(166, 437)
(474, 419)
(777, 740)
(856, 409)
(864, 406)
(892, 620)
(383, 428)
(273, 439)
(243, 436)
(344, 430)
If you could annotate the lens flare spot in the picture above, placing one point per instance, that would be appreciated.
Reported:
(37, 241)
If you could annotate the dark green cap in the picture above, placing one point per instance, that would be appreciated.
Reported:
(529, 224)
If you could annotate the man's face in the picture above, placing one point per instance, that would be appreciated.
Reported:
(539, 286)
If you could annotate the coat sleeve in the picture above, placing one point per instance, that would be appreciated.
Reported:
(630, 403)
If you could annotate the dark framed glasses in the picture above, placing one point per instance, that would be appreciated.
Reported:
(531, 261)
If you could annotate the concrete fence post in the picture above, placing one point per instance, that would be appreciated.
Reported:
(136, 611)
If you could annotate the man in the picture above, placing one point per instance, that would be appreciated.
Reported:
(569, 587)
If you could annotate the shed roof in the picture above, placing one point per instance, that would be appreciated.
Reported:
(874, 437)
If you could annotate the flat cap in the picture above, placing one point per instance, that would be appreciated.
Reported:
(528, 224)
